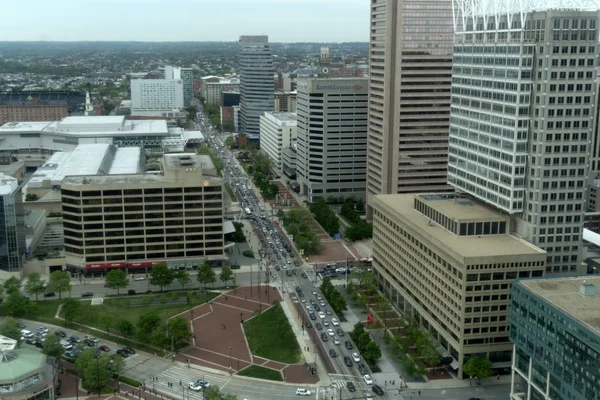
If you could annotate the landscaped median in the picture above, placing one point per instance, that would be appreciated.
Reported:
(258, 372)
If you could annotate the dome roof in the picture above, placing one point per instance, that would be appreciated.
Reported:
(17, 363)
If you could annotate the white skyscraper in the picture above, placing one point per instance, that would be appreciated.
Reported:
(156, 97)
(187, 76)
(257, 86)
(522, 117)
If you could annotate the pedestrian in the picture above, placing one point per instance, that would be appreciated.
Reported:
(419, 392)
(498, 377)
(385, 383)
(180, 382)
(307, 348)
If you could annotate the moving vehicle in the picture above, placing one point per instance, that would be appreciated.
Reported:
(247, 211)
(355, 357)
(330, 332)
(350, 386)
(335, 322)
(303, 392)
(368, 380)
(87, 294)
(377, 389)
(332, 353)
(348, 361)
(195, 387)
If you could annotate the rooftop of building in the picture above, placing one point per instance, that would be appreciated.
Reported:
(487, 246)
(24, 126)
(282, 117)
(8, 184)
(87, 159)
(188, 160)
(563, 293)
(461, 209)
(131, 179)
(18, 363)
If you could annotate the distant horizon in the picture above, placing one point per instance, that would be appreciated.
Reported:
(167, 41)
(284, 21)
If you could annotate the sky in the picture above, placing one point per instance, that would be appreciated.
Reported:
(185, 20)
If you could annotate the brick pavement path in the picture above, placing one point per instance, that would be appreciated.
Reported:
(220, 342)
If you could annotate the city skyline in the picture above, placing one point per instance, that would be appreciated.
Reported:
(331, 21)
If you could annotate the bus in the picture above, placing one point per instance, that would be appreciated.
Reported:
(247, 211)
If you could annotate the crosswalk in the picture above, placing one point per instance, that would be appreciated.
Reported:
(174, 382)
(341, 381)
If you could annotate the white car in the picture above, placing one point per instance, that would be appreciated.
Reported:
(336, 340)
(43, 329)
(335, 322)
(195, 387)
(355, 357)
(288, 260)
(139, 278)
(368, 380)
(325, 322)
(321, 314)
(303, 392)
(330, 332)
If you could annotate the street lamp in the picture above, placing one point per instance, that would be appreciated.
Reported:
(229, 357)
(241, 317)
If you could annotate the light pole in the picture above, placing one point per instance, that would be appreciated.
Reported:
(250, 280)
(229, 357)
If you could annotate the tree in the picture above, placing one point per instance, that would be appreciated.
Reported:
(238, 236)
(18, 305)
(31, 197)
(214, 393)
(182, 277)
(126, 328)
(35, 285)
(362, 302)
(71, 310)
(53, 348)
(226, 274)
(12, 285)
(107, 320)
(478, 367)
(363, 340)
(179, 329)
(360, 206)
(159, 338)
(94, 369)
(280, 214)
(59, 282)
(338, 302)
(117, 279)
(147, 324)
(431, 355)
(161, 276)
(371, 352)
(206, 275)
(10, 329)
(358, 330)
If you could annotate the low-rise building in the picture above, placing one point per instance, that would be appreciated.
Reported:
(555, 329)
(448, 263)
(134, 220)
(277, 132)
(285, 101)
(214, 90)
(32, 112)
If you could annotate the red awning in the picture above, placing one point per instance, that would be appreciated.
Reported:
(139, 265)
(115, 265)
(94, 266)
(157, 262)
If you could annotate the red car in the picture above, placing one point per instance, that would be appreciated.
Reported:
(104, 348)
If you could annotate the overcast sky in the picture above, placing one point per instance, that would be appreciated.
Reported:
(185, 20)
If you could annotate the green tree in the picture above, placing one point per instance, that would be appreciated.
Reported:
(12, 285)
(363, 340)
(338, 302)
(159, 338)
(35, 285)
(117, 279)
(229, 142)
(214, 393)
(10, 329)
(18, 305)
(478, 367)
(362, 301)
(182, 277)
(71, 310)
(179, 329)
(106, 320)
(226, 274)
(59, 282)
(431, 355)
(94, 369)
(358, 330)
(206, 275)
(192, 112)
(280, 214)
(371, 352)
(161, 276)
(147, 324)
(31, 197)
(53, 348)
(238, 236)
(126, 328)
(360, 206)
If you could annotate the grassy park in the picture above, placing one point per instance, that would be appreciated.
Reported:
(270, 336)
(256, 371)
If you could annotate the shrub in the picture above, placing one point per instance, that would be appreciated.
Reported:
(248, 253)
(129, 381)
(235, 266)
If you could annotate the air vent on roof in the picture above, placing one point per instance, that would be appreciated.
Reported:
(587, 289)
(184, 157)
(186, 162)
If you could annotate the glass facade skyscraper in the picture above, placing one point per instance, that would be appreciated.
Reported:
(12, 238)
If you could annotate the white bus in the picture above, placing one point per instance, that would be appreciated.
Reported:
(247, 210)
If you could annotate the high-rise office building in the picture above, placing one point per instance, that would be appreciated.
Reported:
(522, 117)
(409, 96)
(332, 137)
(12, 238)
(256, 82)
(156, 97)
(555, 330)
(277, 133)
(187, 76)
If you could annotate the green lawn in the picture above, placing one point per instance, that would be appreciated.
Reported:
(270, 336)
(256, 371)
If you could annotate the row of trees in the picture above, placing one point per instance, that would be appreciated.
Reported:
(297, 224)
(260, 171)
(335, 299)
(370, 350)
(238, 236)
(325, 216)
(161, 275)
(214, 114)
(424, 346)
(359, 228)
(214, 157)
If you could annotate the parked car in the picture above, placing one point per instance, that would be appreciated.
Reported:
(335, 322)
(303, 392)
(319, 326)
(330, 332)
(129, 350)
(308, 324)
(49, 294)
(122, 353)
(377, 389)
(87, 294)
(60, 333)
(103, 348)
(362, 369)
(368, 380)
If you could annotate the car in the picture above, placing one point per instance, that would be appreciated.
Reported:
(42, 329)
(377, 389)
(314, 292)
(304, 275)
(321, 314)
(350, 386)
(319, 297)
(195, 387)
(330, 332)
(104, 348)
(303, 300)
(335, 322)
(89, 342)
(348, 361)
(30, 341)
(69, 354)
(367, 378)
(74, 340)
(288, 261)
(336, 341)
(332, 353)
(87, 294)
(325, 322)
(324, 337)
(21, 325)
(322, 303)
(92, 339)
(303, 392)
(139, 278)
(348, 345)
(362, 369)
(313, 316)
(308, 324)
(313, 302)
(328, 311)
(355, 357)
(368, 396)
(317, 307)
(60, 333)
(122, 353)
(203, 383)
(340, 332)
(49, 294)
